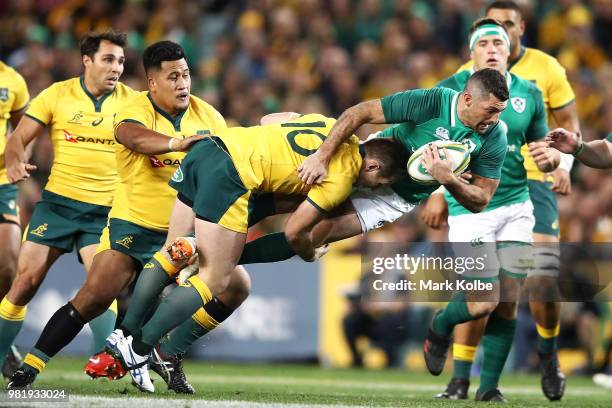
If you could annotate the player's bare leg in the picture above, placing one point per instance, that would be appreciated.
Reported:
(103, 325)
(10, 236)
(110, 272)
(33, 263)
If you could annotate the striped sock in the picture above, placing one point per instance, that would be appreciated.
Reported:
(172, 311)
(35, 361)
(11, 320)
(547, 339)
(203, 321)
(463, 357)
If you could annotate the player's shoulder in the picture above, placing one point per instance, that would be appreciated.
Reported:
(62, 87)
(541, 61)
(466, 66)
(200, 104)
(125, 91)
(7, 70)
(137, 99)
(456, 81)
(525, 85)
(498, 133)
(538, 56)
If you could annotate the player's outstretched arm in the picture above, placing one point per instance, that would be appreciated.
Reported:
(140, 139)
(298, 230)
(545, 158)
(15, 156)
(597, 154)
(314, 168)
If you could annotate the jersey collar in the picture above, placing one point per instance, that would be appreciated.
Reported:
(520, 56)
(96, 101)
(176, 121)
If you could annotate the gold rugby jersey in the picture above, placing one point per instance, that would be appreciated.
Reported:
(143, 195)
(14, 97)
(267, 158)
(81, 130)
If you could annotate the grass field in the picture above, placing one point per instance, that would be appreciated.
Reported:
(234, 385)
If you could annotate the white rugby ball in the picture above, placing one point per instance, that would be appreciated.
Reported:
(458, 154)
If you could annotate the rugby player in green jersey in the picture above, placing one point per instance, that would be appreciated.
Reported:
(507, 222)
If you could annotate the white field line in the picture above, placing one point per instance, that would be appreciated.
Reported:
(78, 401)
(348, 384)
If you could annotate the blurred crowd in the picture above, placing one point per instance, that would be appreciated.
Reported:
(253, 57)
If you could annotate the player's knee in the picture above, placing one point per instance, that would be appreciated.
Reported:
(238, 289)
(480, 309)
(507, 310)
(241, 283)
(25, 285)
(542, 288)
(92, 301)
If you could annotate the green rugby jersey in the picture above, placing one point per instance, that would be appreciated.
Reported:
(525, 116)
(425, 115)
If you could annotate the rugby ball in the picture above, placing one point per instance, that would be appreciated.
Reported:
(458, 154)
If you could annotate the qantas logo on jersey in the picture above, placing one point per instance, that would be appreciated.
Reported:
(76, 139)
(155, 162)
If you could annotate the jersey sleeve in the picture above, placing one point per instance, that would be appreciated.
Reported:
(416, 105)
(22, 96)
(560, 91)
(332, 192)
(537, 126)
(42, 107)
(136, 111)
(337, 186)
(492, 154)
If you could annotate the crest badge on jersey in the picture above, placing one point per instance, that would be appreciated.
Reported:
(518, 104)
(177, 177)
(4, 94)
(470, 144)
(441, 133)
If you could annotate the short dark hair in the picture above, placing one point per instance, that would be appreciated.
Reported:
(505, 5)
(90, 43)
(489, 81)
(484, 21)
(392, 155)
(161, 51)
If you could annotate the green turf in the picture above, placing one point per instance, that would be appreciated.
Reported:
(313, 385)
